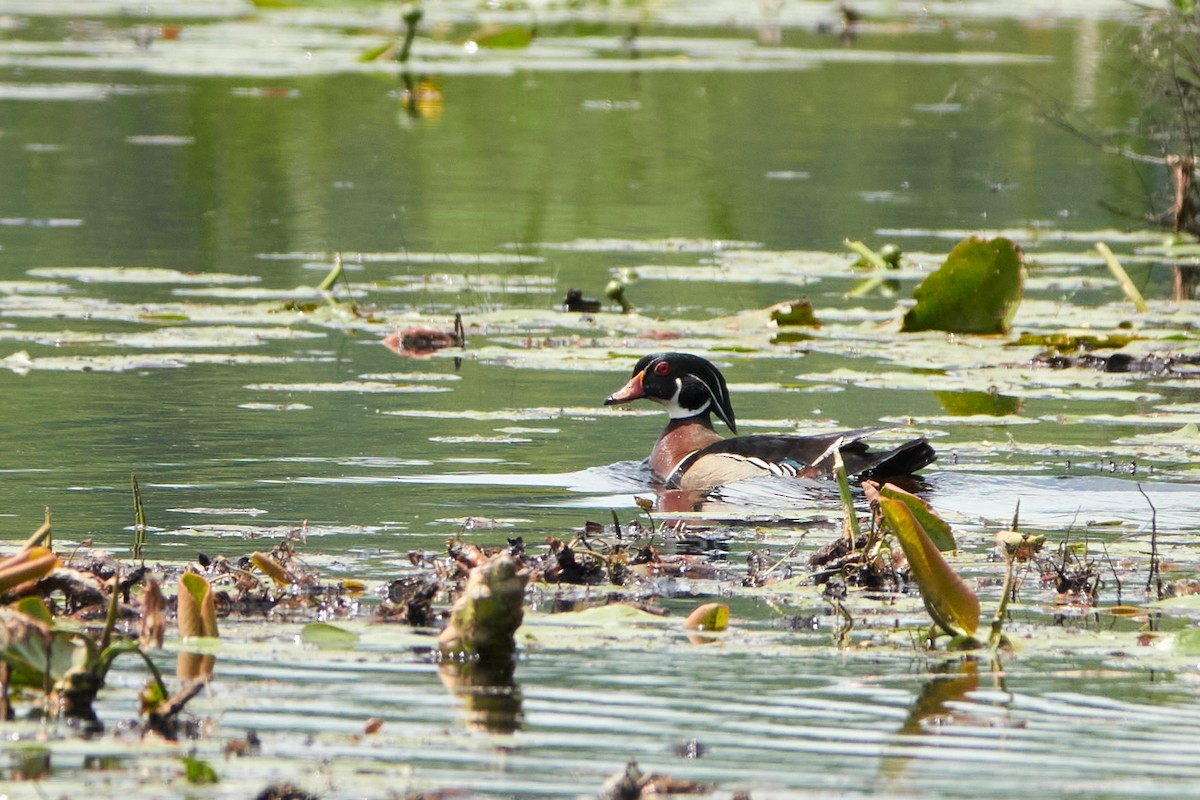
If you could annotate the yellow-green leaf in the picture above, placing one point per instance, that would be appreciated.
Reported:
(271, 567)
(949, 601)
(327, 636)
(934, 526)
(708, 617)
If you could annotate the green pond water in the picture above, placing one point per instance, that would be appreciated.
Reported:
(175, 186)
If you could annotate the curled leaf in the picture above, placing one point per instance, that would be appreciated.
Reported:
(270, 566)
(197, 610)
(30, 564)
(936, 528)
(196, 615)
(950, 602)
(708, 617)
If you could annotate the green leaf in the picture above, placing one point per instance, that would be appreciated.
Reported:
(950, 602)
(936, 528)
(375, 53)
(976, 290)
(968, 404)
(795, 312)
(1187, 642)
(327, 636)
(499, 37)
(198, 772)
(35, 607)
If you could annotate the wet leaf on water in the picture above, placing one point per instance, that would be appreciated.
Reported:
(501, 37)
(795, 312)
(1067, 343)
(197, 772)
(326, 636)
(976, 290)
(1187, 642)
(968, 404)
(362, 387)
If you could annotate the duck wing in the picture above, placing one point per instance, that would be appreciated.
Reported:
(808, 456)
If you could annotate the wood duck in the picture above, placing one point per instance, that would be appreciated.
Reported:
(690, 454)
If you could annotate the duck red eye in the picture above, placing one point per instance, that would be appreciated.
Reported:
(662, 368)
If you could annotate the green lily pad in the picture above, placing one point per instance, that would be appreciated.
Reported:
(977, 290)
(327, 636)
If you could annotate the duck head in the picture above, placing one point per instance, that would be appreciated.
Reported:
(684, 384)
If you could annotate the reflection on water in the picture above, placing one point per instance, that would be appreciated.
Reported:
(489, 694)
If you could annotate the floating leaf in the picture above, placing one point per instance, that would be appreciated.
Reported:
(976, 290)
(327, 636)
(795, 312)
(970, 404)
(199, 772)
(499, 37)
(1068, 343)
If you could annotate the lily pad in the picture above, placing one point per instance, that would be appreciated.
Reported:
(137, 275)
(976, 290)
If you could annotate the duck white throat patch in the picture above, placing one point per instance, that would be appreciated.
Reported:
(675, 409)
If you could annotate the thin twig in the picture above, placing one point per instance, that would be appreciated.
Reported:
(1155, 576)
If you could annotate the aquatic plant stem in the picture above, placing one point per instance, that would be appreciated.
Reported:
(791, 552)
(996, 636)
(331, 279)
(1154, 578)
(1114, 266)
(851, 528)
(41, 536)
(411, 15)
(110, 620)
(139, 519)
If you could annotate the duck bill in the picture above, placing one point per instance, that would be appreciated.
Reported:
(631, 391)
